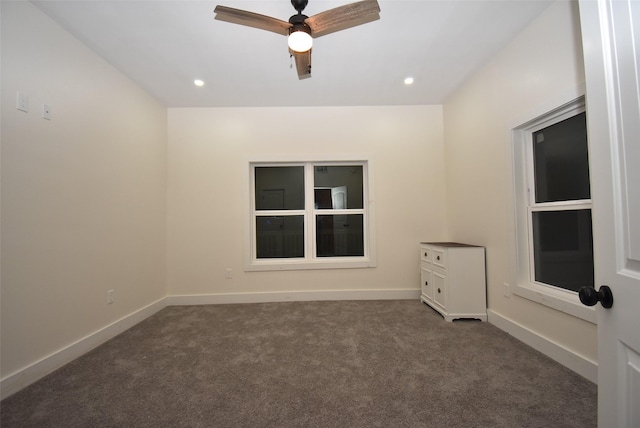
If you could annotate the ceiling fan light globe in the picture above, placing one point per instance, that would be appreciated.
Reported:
(300, 41)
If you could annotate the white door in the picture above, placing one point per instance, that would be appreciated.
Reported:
(340, 222)
(339, 197)
(611, 39)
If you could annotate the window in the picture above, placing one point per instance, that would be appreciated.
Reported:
(553, 212)
(309, 215)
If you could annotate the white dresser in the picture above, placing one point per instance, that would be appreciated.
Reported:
(453, 279)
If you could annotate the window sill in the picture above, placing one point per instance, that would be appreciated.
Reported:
(334, 263)
(560, 300)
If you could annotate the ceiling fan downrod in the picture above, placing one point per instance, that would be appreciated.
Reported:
(299, 5)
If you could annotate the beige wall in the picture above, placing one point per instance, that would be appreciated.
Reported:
(83, 195)
(209, 151)
(538, 71)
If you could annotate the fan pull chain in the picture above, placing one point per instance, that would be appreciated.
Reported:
(290, 60)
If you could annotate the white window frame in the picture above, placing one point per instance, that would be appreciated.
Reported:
(525, 285)
(310, 260)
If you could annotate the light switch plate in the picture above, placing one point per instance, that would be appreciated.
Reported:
(22, 102)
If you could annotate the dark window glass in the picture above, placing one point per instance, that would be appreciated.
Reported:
(561, 161)
(280, 237)
(339, 235)
(563, 247)
(279, 188)
(338, 187)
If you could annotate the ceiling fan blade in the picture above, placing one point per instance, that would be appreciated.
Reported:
(303, 63)
(343, 17)
(250, 19)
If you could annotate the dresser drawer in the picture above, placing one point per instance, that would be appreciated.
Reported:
(439, 257)
(439, 289)
(425, 253)
(427, 284)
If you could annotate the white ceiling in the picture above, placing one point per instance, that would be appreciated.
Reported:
(164, 45)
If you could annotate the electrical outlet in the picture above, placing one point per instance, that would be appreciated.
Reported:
(46, 111)
(228, 273)
(110, 296)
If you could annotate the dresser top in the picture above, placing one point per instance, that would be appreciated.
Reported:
(449, 244)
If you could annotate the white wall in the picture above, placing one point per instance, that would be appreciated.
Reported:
(83, 195)
(538, 71)
(209, 151)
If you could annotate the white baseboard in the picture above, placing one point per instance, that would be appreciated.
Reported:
(293, 296)
(28, 375)
(578, 363)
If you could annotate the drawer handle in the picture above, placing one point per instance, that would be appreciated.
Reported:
(438, 258)
(438, 290)
(426, 254)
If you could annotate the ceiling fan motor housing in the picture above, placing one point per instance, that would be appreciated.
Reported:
(298, 24)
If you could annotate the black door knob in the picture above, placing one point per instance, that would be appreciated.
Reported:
(589, 296)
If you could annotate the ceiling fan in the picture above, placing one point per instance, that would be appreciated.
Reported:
(301, 29)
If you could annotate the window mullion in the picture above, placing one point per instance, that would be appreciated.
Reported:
(339, 211)
(278, 213)
(562, 206)
(310, 226)
(530, 245)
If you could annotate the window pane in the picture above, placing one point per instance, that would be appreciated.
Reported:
(338, 187)
(339, 235)
(279, 188)
(280, 237)
(563, 248)
(561, 162)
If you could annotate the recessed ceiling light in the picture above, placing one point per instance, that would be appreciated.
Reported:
(198, 82)
(408, 81)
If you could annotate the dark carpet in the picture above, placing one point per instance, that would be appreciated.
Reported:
(307, 364)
